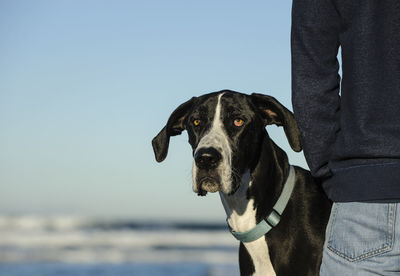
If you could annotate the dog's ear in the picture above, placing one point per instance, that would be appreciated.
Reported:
(174, 126)
(275, 113)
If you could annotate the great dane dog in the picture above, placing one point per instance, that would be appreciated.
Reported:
(276, 210)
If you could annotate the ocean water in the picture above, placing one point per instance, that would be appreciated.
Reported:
(66, 246)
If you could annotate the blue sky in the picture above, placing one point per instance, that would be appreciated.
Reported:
(85, 86)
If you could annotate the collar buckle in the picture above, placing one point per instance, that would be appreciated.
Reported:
(274, 218)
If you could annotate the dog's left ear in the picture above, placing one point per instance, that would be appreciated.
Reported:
(174, 126)
(274, 113)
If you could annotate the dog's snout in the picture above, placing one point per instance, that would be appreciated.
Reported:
(207, 158)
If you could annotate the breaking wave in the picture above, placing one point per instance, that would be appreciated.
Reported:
(33, 239)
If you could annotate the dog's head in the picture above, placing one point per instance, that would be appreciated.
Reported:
(225, 130)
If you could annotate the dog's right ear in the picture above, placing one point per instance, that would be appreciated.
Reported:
(174, 126)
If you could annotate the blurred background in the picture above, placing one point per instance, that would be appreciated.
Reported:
(84, 87)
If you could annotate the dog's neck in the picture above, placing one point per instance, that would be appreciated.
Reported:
(239, 208)
(254, 200)
(255, 197)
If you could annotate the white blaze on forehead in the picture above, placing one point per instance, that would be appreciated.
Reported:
(217, 138)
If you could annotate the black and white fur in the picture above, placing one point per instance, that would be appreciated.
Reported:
(234, 155)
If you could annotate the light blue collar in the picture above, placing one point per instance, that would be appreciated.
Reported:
(264, 226)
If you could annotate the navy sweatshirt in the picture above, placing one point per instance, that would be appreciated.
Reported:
(350, 127)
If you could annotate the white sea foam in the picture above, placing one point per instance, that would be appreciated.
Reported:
(78, 240)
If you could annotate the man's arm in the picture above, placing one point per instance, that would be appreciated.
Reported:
(315, 79)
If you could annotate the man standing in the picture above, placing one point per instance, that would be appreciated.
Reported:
(351, 129)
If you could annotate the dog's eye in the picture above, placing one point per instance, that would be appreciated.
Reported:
(196, 122)
(238, 122)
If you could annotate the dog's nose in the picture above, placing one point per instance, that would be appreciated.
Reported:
(207, 158)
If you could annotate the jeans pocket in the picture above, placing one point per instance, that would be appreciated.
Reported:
(361, 230)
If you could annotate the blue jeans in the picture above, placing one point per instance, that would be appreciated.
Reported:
(362, 239)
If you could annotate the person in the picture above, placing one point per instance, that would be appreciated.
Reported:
(350, 126)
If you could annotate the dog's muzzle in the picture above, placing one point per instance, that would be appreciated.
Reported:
(207, 161)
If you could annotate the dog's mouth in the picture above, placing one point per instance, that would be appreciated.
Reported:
(207, 184)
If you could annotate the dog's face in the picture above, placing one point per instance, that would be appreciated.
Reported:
(225, 130)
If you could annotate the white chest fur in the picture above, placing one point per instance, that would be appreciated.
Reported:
(242, 217)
